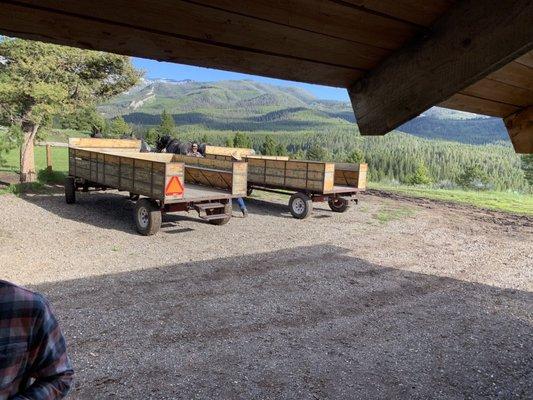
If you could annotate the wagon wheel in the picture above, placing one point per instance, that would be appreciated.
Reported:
(338, 204)
(70, 190)
(222, 221)
(147, 216)
(300, 205)
(134, 196)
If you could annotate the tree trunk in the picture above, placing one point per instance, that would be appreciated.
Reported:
(27, 158)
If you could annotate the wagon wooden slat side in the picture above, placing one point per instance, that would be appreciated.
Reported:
(310, 181)
(166, 183)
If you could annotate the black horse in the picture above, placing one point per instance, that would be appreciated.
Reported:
(171, 145)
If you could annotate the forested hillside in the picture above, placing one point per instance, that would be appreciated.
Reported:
(441, 146)
(253, 106)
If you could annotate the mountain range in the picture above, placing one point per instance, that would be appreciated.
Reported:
(247, 105)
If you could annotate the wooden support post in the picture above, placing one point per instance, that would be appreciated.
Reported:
(520, 128)
(472, 40)
(49, 158)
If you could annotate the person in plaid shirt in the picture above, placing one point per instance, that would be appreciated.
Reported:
(33, 359)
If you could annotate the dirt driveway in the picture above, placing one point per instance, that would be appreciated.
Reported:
(393, 299)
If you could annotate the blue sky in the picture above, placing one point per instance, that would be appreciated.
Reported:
(156, 69)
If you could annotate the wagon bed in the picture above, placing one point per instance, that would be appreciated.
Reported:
(306, 181)
(157, 182)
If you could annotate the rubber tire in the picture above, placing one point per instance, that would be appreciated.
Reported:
(70, 190)
(340, 208)
(154, 217)
(134, 196)
(228, 209)
(308, 205)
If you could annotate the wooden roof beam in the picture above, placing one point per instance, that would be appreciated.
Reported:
(520, 128)
(469, 42)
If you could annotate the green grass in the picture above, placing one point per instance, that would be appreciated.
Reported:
(499, 201)
(387, 214)
(59, 159)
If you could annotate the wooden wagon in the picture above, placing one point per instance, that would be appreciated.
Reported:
(157, 182)
(306, 181)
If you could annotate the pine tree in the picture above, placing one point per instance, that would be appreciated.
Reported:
(419, 177)
(230, 142)
(473, 177)
(527, 166)
(167, 124)
(281, 150)
(242, 140)
(269, 146)
(356, 156)
(316, 153)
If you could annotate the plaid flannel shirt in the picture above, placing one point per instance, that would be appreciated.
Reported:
(33, 358)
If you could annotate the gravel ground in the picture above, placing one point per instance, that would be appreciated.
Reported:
(395, 298)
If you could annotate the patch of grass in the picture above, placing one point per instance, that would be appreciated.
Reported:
(387, 214)
(51, 177)
(499, 201)
(59, 159)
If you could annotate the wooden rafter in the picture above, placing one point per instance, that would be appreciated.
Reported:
(472, 40)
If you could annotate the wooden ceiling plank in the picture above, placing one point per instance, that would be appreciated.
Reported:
(520, 129)
(213, 26)
(463, 102)
(500, 92)
(526, 59)
(63, 29)
(515, 74)
(420, 12)
(326, 17)
(472, 40)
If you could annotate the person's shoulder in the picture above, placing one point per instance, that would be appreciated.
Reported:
(16, 293)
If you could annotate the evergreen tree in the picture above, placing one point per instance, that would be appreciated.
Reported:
(281, 150)
(269, 146)
(167, 124)
(419, 177)
(527, 167)
(473, 177)
(356, 157)
(230, 142)
(316, 153)
(242, 140)
(151, 136)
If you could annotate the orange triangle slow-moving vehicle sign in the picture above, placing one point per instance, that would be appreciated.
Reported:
(174, 187)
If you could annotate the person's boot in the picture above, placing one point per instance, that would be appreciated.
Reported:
(244, 212)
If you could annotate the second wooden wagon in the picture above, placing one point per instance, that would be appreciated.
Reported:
(307, 182)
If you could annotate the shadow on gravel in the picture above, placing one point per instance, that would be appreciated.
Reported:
(281, 210)
(105, 210)
(303, 323)
(114, 211)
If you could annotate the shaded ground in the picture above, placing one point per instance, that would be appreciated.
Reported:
(389, 300)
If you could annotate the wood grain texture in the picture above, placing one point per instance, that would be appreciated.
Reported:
(198, 23)
(520, 129)
(334, 19)
(81, 32)
(500, 92)
(472, 40)
(467, 103)
(420, 12)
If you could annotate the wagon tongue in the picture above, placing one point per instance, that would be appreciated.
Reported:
(174, 187)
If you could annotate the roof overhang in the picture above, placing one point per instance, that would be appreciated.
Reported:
(397, 58)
